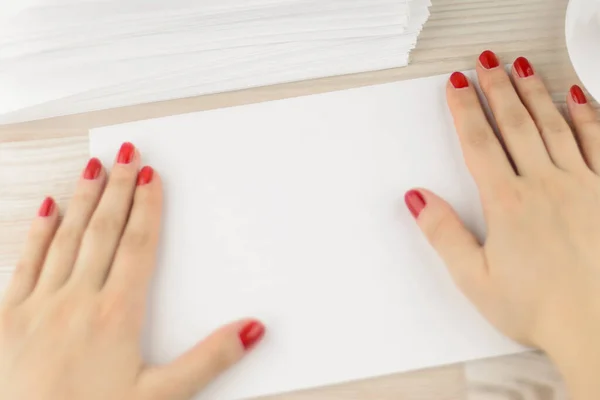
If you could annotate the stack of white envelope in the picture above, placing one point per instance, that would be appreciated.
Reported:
(61, 57)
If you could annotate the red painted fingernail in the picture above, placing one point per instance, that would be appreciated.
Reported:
(489, 60)
(459, 80)
(415, 202)
(92, 171)
(578, 95)
(251, 334)
(47, 207)
(145, 176)
(523, 67)
(126, 153)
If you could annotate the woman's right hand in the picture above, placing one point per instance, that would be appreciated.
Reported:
(537, 276)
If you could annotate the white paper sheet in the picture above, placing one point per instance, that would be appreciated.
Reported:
(292, 211)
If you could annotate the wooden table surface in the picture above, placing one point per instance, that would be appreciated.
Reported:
(45, 157)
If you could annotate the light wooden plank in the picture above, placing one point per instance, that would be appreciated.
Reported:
(527, 376)
(440, 383)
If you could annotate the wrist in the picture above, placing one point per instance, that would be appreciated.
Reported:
(580, 368)
(574, 346)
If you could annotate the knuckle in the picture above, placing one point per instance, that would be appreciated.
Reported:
(23, 270)
(147, 203)
(136, 238)
(114, 311)
(554, 127)
(38, 233)
(472, 126)
(509, 200)
(554, 187)
(122, 181)
(480, 137)
(586, 120)
(85, 196)
(66, 236)
(105, 224)
(589, 131)
(8, 321)
(65, 314)
(440, 229)
(468, 101)
(221, 357)
(12, 325)
(535, 90)
(496, 82)
(515, 119)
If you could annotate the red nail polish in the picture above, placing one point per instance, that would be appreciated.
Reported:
(489, 60)
(145, 176)
(126, 153)
(92, 171)
(578, 95)
(459, 80)
(47, 207)
(251, 334)
(415, 202)
(523, 67)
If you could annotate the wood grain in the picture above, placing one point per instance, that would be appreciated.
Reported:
(45, 157)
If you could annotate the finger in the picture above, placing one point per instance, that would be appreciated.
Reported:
(556, 133)
(587, 126)
(518, 130)
(193, 371)
(135, 259)
(28, 269)
(64, 248)
(482, 150)
(456, 245)
(105, 228)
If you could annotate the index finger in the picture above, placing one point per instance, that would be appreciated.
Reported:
(486, 159)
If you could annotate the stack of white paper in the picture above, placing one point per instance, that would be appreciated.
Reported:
(68, 56)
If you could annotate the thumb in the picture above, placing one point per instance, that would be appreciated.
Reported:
(194, 370)
(455, 244)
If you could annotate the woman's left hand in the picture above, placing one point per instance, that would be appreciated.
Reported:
(71, 320)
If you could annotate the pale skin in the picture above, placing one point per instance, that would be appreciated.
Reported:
(71, 319)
